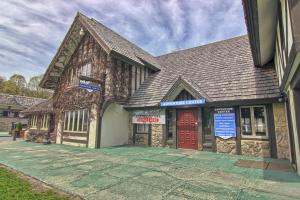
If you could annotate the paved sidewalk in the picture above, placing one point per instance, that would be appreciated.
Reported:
(148, 173)
(4, 134)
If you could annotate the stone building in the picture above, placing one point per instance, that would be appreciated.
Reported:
(10, 108)
(110, 92)
(41, 121)
(274, 32)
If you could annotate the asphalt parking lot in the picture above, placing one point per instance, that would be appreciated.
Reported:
(148, 173)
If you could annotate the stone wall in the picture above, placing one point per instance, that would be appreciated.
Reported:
(226, 145)
(157, 135)
(255, 148)
(37, 135)
(6, 123)
(281, 131)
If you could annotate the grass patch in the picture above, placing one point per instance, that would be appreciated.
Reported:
(14, 188)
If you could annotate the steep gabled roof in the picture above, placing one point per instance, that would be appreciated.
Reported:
(222, 70)
(120, 45)
(109, 40)
(18, 102)
(188, 85)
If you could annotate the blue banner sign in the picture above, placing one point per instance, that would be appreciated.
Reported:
(183, 103)
(89, 86)
(224, 122)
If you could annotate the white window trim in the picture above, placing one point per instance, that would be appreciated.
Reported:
(69, 112)
(253, 124)
(45, 122)
(33, 122)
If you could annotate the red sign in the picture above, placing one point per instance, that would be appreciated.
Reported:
(147, 119)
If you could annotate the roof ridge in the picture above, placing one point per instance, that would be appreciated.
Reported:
(202, 46)
(132, 43)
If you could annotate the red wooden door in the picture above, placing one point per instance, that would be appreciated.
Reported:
(187, 129)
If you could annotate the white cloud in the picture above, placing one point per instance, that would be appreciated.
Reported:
(31, 31)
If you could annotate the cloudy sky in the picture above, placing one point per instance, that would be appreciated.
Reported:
(32, 30)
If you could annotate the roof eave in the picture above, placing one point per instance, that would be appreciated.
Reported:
(261, 22)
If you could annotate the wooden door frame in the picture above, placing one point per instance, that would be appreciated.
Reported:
(199, 121)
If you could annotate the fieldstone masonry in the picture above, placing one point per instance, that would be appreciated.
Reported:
(255, 148)
(157, 135)
(6, 123)
(281, 131)
(226, 145)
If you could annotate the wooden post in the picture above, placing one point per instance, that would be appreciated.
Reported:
(238, 130)
(200, 132)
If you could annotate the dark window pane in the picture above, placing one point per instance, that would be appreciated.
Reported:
(66, 120)
(80, 120)
(75, 120)
(5, 113)
(260, 121)
(85, 123)
(246, 121)
(143, 128)
(71, 121)
(169, 125)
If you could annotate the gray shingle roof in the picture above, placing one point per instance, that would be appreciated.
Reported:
(45, 106)
(223, 70)
(18, 101)
(120, 45)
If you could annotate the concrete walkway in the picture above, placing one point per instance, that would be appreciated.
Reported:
(4, 134)
(148, 173)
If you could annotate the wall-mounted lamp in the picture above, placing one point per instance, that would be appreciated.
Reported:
(283, 97)
(81, 32)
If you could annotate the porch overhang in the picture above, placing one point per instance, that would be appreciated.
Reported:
(261, 21)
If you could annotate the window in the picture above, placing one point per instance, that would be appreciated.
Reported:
(86, 70)
(33, 122)
(133, 77)
(45, 122)
(76, 121)
(169, 124)
(16, 114)
(142, 128)
(253, 121)
(5, 113)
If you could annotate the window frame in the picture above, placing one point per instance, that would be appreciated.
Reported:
(45, 122)
(72, 112)
(33, 122)
(252, 117)
(144, 126)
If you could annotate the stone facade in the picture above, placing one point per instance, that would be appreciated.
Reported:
(142, 139)
(255, 148)
(157, 135)
(113, 75)
(6, 123)
(226, 145)
(281, 131)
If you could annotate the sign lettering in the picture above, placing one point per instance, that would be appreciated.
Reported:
(182, 103)
(149, 117)
(89, 86)
(224, 122)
